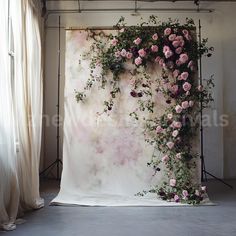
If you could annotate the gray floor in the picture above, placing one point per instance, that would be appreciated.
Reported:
(217, 220)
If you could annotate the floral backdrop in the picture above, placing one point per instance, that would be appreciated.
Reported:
(136, 122)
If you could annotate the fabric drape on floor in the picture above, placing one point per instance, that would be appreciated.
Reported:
(24, 100)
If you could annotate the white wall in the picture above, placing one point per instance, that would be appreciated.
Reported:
(219, 27)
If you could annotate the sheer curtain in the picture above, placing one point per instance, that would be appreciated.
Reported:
(23, 99)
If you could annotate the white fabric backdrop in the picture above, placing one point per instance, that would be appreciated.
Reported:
(104, 157)
(20, 109)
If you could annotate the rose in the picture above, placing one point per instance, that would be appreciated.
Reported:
(174, 89)
(155, 37)
(178, 50)
(159, 129)
(203, 188)
(165, 159)
(178, 109)
(197, 193)
(175, 44)
(170, 145)
(170, 116)
(122, 30)
(172, 182)
(176, 73)
(184, 75)
(185, 194)
(175, 133)
(190, 64)
(178, 156)
(181, 43)
(117, 54)
(176, 198)
(142, 53)
(138, 61)
(137, 41)
(185, 31)
(168, 54)
(191, 103)
(185, 104)
(154, 48)
(177, 124)
(114, 41)
(157, 59)
(187, 86)
(167, 31)
(123, 53)
(161, 62)
(165, 49)
(183, 58)
(172, 37)
(129, 55)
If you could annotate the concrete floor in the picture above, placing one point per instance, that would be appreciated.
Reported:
(217, 220)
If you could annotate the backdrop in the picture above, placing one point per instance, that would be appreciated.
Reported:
(104, 156)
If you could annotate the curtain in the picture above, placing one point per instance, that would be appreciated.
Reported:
(25, 98)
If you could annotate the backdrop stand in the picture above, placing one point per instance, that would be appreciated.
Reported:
(58, 161)
(204, 172)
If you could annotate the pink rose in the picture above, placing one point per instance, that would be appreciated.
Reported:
(157, 59)
(161, 62)
(114, 41)
(185, 105)
(159, 129)
(176, 198)
(177, 124)
(190, 64)
(122, 30)
(184, 75)
(178, 109)
(174, 89)
(165, 49)
(137, 41)
(138, 61)
(178, 50)
(123, 53)
(183, 58)
(168, 54)
(191, 103)
(187, 86)
(203, 188)
(170, 116)
(154, 48)
(165, 159)
(185, 194)
(176, 73)
(181, 43)
(129, 55)
(178, 156)
(179, 38)
(172, 37)
(117, 54)
(185, 31)
(142, 53)
(170, 145)
(175, 44)
(155, 37)
(175, 133)
(167, 31)
(172, 182)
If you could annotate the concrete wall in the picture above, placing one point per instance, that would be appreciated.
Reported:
(219, 27)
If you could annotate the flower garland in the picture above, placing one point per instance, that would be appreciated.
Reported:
(172, 47)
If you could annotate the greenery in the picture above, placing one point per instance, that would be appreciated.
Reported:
(173, 47)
